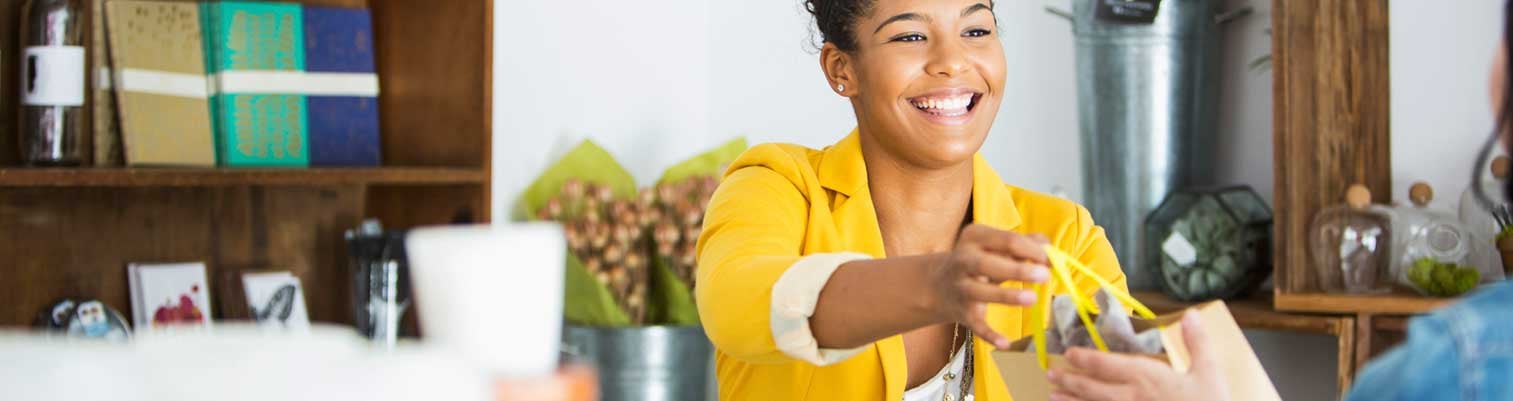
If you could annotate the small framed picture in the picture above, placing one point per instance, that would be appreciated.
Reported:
(276, 299)
(169, 296)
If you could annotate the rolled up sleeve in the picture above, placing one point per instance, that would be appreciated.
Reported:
(794, 298)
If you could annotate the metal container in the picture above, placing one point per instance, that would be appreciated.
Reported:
(1147, 105)
(657, 363)
(380, 281)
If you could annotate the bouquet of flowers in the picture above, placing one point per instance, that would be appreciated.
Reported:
(631, 255)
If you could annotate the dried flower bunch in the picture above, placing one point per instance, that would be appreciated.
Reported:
(685, 201)
(616, 239)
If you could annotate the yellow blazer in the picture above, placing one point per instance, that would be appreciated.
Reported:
(778, 203)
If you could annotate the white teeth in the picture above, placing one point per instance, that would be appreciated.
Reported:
(956, 103)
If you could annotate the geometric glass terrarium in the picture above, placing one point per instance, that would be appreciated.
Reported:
(1207, 244)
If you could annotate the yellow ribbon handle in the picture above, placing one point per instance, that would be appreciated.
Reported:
(1062, 266)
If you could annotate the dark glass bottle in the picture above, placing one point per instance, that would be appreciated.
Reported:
(51, 116)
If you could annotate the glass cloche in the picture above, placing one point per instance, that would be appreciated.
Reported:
(1350, 244)
(1209, 243)
(1483, 221)
(1434, 253)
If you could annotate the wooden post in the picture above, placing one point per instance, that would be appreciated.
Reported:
(1331, 108)
(1345, 354)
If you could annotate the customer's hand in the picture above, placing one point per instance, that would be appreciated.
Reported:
(984, 258)
(1112, 377)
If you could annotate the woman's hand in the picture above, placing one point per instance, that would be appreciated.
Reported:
(983, 258)
(1112, 377)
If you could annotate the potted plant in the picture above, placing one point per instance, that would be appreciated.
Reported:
(629, 306)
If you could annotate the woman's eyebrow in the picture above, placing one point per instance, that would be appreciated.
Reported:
(975, 8)
(902, 17)
(921, 17)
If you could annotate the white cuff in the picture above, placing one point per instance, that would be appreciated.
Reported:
(794, 297)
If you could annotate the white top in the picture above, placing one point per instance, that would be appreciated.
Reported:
(946, 385)
(794, 297)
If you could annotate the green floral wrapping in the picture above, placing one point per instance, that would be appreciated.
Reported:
(587, 301)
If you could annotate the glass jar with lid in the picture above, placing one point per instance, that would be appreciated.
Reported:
(1489, 220)
(1430, 240)
(1350, 246)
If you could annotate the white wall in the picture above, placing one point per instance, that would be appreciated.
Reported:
(658, 80)
(1441, 57)
(632, 75)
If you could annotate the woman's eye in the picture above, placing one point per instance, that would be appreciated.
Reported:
(909, 37)
(977, 33)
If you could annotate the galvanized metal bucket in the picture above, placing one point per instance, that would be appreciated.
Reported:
(1148, 109)
(657, 363)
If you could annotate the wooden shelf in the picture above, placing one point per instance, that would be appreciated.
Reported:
(1254, 312)
(1385, 304)
(211, 177)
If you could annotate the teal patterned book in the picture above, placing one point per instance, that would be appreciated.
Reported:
(255, 56)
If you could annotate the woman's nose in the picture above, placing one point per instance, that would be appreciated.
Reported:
(948, 59)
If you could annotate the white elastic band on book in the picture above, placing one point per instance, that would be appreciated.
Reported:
(297, 83)
(163, 83)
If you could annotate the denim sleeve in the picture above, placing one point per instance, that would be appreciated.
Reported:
(1426, 367)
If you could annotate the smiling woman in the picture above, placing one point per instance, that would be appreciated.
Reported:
(888, 265)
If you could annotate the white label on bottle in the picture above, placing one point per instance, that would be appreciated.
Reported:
(1180, 250)
(53, 76)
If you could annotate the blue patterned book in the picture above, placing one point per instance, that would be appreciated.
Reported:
(343, 126)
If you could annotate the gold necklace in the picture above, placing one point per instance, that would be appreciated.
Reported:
(951, 356)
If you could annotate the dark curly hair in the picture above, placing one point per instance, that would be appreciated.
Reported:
(835, 19)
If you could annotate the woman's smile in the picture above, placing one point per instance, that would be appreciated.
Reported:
(948, 106)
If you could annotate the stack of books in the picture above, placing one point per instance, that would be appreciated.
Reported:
(244, 84)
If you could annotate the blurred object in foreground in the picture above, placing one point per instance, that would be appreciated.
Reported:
(235, 362)
(572, 383)
(491, 294)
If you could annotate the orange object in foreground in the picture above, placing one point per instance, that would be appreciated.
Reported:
(572, 383)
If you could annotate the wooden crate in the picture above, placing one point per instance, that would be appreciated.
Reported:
(70, 232)
(1332, 130)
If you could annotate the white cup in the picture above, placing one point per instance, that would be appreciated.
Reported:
(492, 294)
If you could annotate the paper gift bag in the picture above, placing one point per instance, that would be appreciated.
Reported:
(1026, 380)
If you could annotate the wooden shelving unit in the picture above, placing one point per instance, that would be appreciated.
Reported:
(1384, 304)
(127, 177)
(143, 177)
(71, 232)
(1332, 122)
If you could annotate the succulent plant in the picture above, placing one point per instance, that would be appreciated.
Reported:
(1222, 238)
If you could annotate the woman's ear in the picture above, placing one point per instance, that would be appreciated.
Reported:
(836, 64)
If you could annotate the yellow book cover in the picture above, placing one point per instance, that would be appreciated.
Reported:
(159, 70)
